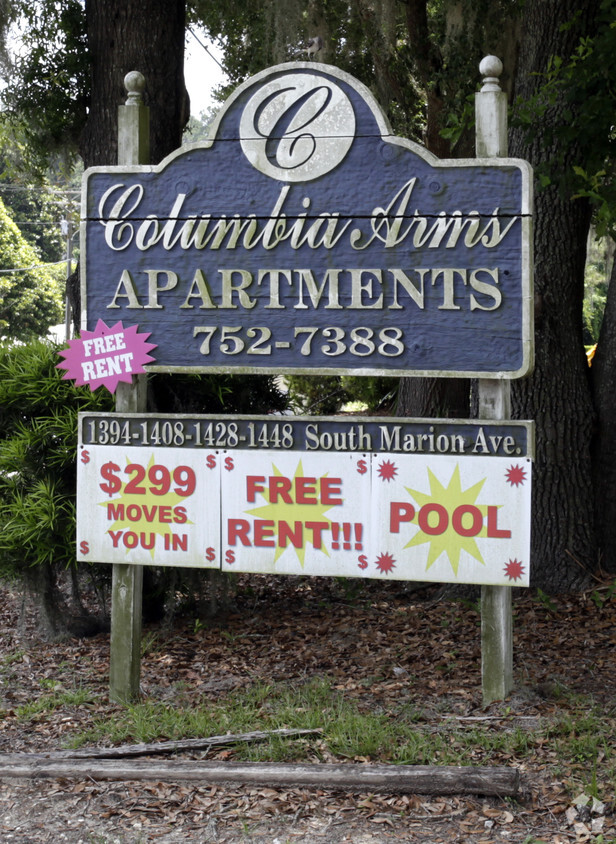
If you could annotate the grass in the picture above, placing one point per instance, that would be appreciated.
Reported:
(51, 701)
(579, 738)
(578, 742)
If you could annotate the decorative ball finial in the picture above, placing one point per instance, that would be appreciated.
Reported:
(490, 68)
(134, 82)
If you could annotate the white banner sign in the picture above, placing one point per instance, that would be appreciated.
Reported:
(265, 504)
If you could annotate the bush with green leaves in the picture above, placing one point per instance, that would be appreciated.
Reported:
(38, 444)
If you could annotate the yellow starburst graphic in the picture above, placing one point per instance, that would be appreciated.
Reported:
(438, 524)
(156, 510)
(300, 516)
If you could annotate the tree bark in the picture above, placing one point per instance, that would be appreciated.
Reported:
(557, 395)
(143, 35)
(430, 397)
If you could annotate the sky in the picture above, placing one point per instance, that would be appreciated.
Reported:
(201, 71)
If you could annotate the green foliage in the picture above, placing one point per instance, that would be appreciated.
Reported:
(197, 129)
(377, 394)
(323, 394)
(316, 394)
(217, 394)
(30, 299)
(56, 699)
(48, 86)
(595, 296)
(579, 92)
(373, 42)
(38, 434)
(36, 208)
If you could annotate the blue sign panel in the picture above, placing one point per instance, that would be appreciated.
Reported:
(305, 237)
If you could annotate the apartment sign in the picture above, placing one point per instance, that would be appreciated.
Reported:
(303, 236)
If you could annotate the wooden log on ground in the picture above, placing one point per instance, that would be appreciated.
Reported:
(391, 779)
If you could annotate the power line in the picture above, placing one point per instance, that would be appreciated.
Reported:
(201, 44)
(33, 267)
(39, 190)
(35, 223)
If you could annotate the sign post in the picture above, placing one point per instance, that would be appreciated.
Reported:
(127, 580)
(494, 404)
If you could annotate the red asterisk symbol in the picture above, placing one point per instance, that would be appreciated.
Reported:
(387, 470)
(516, 475)
(385, 563)
(514, 570)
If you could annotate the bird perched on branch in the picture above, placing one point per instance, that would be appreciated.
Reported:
(313, 46)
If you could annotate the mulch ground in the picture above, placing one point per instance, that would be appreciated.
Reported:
(381, 645)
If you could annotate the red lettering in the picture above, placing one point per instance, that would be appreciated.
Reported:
(293, 534)
(493, 530)
(179, 515)
(400, 511)
(305, 491)
(115, 512)
(317, 529)
(331, 487)
(279, 488)
(254, 484)
(164, 514)
(476, 519)
(264, 532)
(238, 529)
(424, 523)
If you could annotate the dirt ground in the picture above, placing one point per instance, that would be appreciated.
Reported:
(381, 646)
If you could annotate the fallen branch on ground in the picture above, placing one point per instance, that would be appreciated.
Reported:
(175, 746)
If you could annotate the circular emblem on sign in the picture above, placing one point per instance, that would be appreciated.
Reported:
(297, 127)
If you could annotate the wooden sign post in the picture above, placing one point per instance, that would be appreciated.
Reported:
(494, 404)
(127, 580)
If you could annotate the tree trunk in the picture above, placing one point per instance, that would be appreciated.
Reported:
(604, 445)
(430, 397)
(144, 35)
(557, 395)
(434, 397)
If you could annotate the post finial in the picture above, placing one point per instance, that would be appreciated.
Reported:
(134, 82)
(490, 68)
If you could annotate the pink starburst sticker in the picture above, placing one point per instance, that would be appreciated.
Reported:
(106, 356)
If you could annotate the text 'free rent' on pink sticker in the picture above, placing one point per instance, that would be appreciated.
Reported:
(106, 356)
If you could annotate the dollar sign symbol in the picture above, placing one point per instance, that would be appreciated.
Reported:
(211, 461)
(113, 483)
(363, 562)
(84, 547)
(362, 467)
(85, 456)
(210, 554)
(229, 463)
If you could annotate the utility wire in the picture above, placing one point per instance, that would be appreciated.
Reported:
(33, 267)
(211, 55)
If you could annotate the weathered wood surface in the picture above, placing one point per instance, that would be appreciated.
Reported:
(161, 747)
(416, 779)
